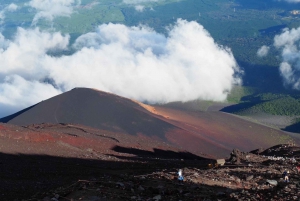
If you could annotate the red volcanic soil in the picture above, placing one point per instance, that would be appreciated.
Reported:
(212, 133)
(69, 140)
(41, 157)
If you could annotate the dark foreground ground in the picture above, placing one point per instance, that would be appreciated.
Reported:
(74, 162)
(245, 176)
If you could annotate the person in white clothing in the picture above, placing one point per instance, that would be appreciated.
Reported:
(180, 176)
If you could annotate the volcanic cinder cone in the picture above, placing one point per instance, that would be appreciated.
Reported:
(92, 108)
(212, 133)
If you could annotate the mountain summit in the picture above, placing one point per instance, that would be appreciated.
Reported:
(95, 109)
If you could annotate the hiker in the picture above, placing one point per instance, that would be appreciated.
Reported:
(286, 176)
(180, 177)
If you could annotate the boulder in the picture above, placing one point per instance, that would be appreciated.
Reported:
(249, 178)
(220, 162)
(158, 197)
(272, 182)
(235, 156)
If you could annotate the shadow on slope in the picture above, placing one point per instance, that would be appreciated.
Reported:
(10, 117)
(33, 177)
(157, 153)
(23, 176)
(238, 107)
(246, 103)
(294, 128)
(263, 77)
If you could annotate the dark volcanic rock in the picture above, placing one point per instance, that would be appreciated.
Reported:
(257, 151)
(219, 183)
(235, 156)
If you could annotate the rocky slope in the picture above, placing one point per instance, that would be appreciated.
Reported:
(245, 176)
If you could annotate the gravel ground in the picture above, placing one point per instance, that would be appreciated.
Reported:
(245, 176)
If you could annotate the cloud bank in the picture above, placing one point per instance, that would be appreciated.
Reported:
(288, 43)
(135, 62)
(49, 9)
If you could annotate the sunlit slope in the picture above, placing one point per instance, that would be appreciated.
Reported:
(213, 133)
(224, 130)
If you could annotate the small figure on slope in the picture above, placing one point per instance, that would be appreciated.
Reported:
(180, 177)
(286, 176)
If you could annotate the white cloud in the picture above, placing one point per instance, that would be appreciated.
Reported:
(140, 1)
(24, 55)
(139, 4)
(10, 8)
(292, 1)
(139, 8)
(21, 71)
(263, 51)
(18, 93)
(288, 43)
(287, 72)
(49, 9)
(135, 62)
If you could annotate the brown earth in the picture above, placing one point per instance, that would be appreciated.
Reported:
(211, 133)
